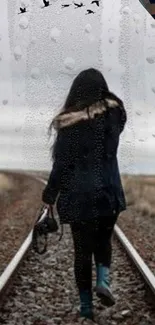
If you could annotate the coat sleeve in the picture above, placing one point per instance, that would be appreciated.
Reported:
(114, 125)
(52, 188)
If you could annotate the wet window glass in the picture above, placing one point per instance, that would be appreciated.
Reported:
(44, 45)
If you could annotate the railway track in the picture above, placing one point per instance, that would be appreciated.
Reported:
(50, 292)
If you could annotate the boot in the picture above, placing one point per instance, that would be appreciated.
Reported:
(86, 305)
(103, 290)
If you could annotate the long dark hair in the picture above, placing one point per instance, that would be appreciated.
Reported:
(87, 88)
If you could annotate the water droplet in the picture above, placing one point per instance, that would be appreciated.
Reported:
(153, 135)
(5, 101)
(23, 23)
(69, 63)
(137, 29)
(55, 33)
(0, 56)
(126, 10)
(18, 128)
(138, 113)
(0, 37)
(111, 30)
(111, 40)
(136, 18)
(153, 89)
(35, 73)
(153, 25)
(17, 53)
(33, 39)
(88, 28)
(150, 59)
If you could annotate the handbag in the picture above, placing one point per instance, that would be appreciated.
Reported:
(43, 226)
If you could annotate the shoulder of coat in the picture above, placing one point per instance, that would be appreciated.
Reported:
(68, 119)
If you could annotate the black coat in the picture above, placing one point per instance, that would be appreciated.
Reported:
(85, 172)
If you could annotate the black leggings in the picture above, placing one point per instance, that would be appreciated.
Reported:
(91, 238)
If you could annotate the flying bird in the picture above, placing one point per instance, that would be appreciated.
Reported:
(96, 2)
(65, 6)
(90, 12)
(78, 5)
(46, 4)
(22, 10)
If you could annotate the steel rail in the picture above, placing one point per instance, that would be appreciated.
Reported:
(136, 259)
(16, 260)
(132, 253)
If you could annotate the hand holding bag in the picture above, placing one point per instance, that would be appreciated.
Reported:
(42, 228)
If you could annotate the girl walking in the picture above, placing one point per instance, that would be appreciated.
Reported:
(86, 175)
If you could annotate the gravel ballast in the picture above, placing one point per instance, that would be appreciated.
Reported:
(44, 291)
(138, 221)
(20, 200)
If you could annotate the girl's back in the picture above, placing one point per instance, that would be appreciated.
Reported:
(86, 152)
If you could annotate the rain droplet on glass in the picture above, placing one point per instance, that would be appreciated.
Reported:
(33, 39)
(111, 30)
(150, 59)
(55, 33)
(153, 25)
(69, 63)
(153, 135)
(137, 30)
(153, 89)
(17, 129)
(0, 56)
(17, 53)
(111, 40)
(5, 101)
(88, 28)
(136, 18)
(126, 10)
(138, 113)
(23, 23)
(35, 73)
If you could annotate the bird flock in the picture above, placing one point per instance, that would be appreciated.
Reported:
(76, 6)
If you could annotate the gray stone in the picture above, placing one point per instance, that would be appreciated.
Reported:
(126, 312)
(57, 320)
(146, 322)
(41, 289)
(31, 294)
(117, 317)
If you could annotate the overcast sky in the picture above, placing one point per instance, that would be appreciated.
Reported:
(42, 50)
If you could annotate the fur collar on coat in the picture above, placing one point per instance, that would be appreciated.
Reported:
(66, 119)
